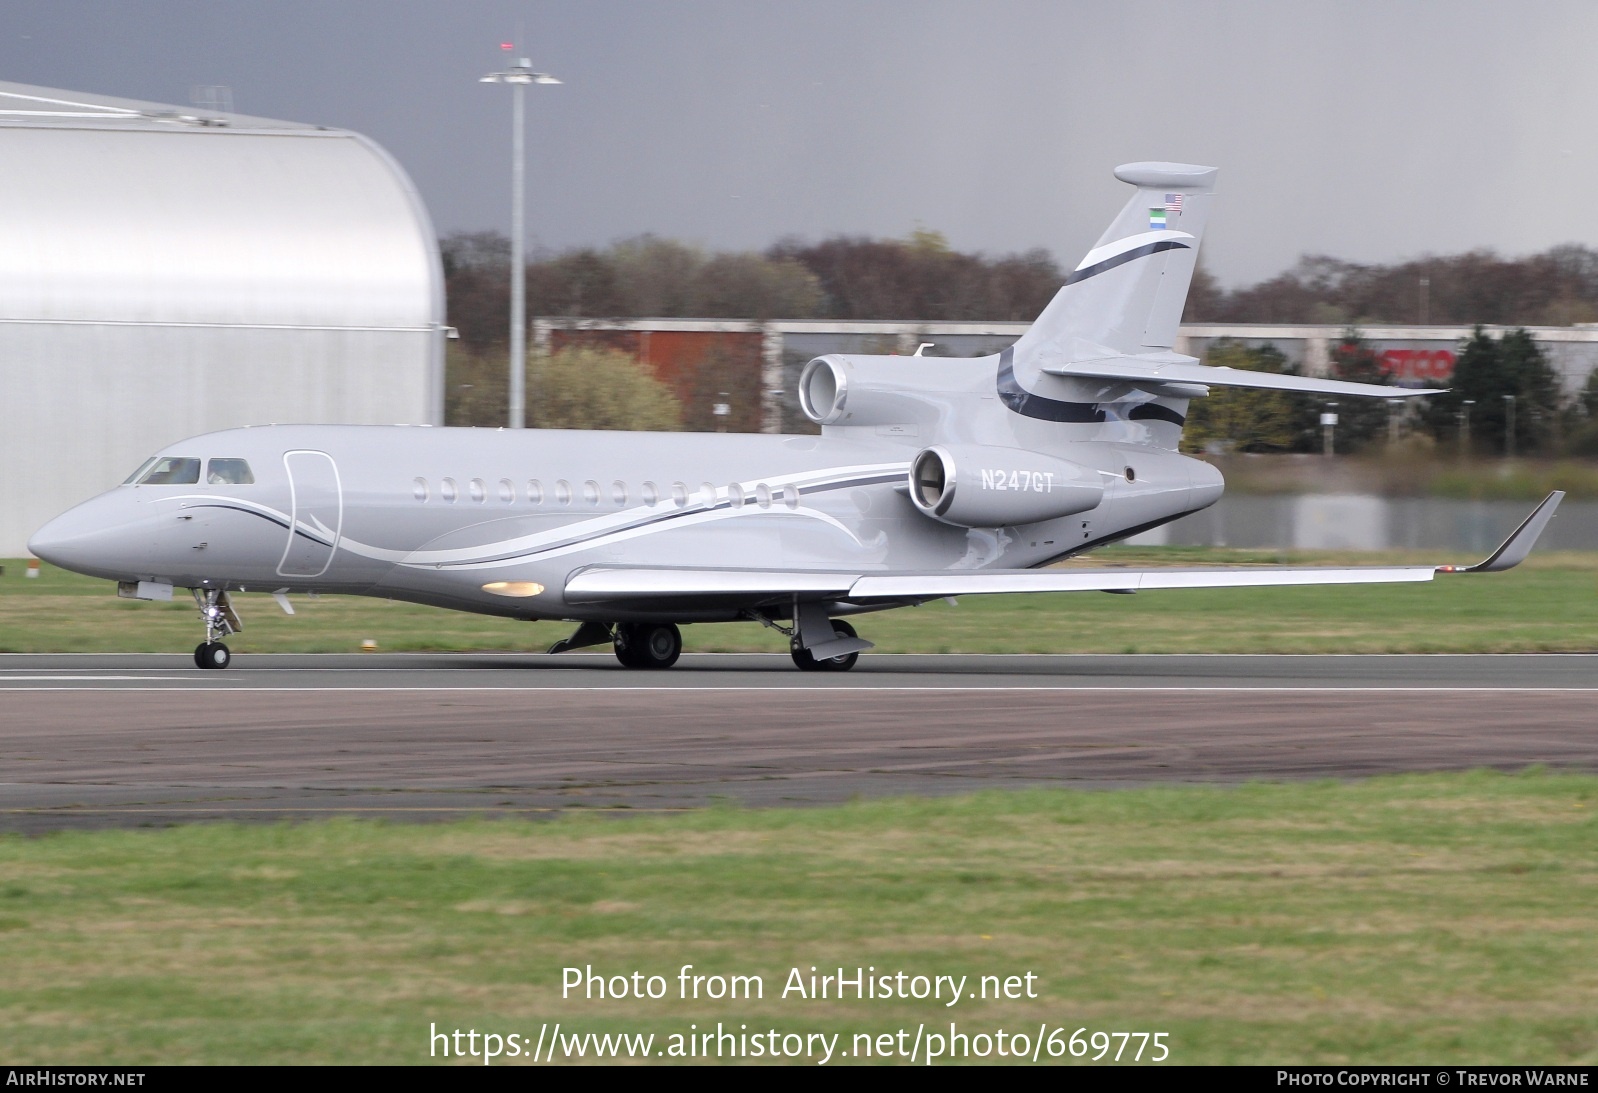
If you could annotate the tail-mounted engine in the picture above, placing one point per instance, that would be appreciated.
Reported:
(983, 487)
(844, 390)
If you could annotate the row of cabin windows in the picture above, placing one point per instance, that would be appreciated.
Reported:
(561, 493)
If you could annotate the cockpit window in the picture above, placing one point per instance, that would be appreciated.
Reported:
(138, 474)
(229, 472)
(171, 470)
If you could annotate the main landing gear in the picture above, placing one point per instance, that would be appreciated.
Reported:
(220, 621)
(809, 662)
(647, 644)
(656, 645)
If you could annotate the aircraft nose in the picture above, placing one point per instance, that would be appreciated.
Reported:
(79, 540)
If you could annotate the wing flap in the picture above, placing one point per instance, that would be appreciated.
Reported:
(599, 584)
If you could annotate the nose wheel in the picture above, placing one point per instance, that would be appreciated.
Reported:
(220, 620)
(212, 654)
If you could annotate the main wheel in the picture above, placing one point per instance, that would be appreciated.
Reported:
(648, 644)
(212, 654)
(808, 663)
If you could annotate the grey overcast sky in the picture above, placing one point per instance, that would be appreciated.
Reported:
(1370, 130)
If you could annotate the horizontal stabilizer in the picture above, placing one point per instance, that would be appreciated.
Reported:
(1165, 368)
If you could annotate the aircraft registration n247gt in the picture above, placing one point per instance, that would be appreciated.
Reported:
(931, 478)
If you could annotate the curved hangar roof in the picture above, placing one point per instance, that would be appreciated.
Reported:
(125, 211)
(167, 271)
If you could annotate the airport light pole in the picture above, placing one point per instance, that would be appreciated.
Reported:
(518, 76)
(1509, 426)
(1464, 427)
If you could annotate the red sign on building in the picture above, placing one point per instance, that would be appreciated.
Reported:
(1418, 367)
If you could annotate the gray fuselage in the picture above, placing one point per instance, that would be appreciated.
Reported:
(472, 519)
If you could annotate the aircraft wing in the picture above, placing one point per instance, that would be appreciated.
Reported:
(1179, 369)
(598, 584)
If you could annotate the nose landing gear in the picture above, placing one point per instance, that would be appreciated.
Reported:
(220, 620)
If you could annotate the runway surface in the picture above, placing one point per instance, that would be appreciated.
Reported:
(129, 740)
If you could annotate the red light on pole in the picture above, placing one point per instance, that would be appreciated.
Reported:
(507, 46)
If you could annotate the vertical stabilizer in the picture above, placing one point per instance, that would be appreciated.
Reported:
(1126, 297)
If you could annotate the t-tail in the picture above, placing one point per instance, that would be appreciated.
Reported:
(1117, 315)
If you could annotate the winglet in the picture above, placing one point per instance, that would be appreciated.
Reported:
(1519, 544)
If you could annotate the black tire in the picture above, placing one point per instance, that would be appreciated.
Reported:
(652, 645)
(212, 654)
(808, 663)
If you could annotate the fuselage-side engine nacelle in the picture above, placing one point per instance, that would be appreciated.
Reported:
(843, 390)
(979, 486)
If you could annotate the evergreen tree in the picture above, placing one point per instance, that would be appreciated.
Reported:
(1486, 373)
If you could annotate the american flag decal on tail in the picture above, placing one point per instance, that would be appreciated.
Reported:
(1173, 204)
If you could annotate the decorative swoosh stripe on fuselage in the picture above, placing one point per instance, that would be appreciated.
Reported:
(583, 534)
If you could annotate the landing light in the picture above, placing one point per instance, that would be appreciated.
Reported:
(513, 588)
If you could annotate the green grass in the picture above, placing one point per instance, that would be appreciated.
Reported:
(1415, 919)
(1550, 604)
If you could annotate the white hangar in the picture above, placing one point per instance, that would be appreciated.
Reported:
(167, 271)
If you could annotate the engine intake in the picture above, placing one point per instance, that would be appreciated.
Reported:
(982, 487)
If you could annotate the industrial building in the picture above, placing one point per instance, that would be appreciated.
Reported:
(168, 270)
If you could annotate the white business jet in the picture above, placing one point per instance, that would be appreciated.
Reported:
(931, 478)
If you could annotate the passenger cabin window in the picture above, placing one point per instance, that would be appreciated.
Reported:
(419, 488)
(172, 470)
(618, 492)
(651, 494)
(591, 492)
(563, 492)
(535, 491)
(679, 493)
(446, 490)
(477, 490)
(507, 491)
(229, 472)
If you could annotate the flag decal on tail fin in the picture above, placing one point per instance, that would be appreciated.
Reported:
(1156, 219)
(1173, 204)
